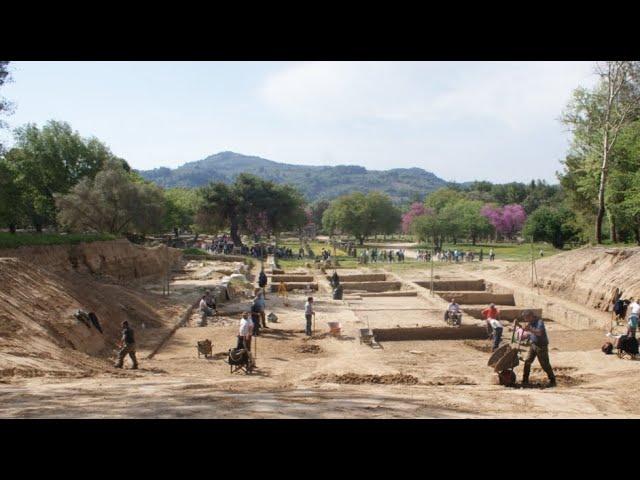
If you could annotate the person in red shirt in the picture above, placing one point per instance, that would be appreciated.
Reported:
(490, 312)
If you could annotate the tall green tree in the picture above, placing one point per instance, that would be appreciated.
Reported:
(362, 215)
(472, 223)
(250, 205)
(549, 224)
(12, 211)
(5, 105)
(51, 160)
(181, 206)
(596, 118)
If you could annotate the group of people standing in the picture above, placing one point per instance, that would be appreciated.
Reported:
(220, 244)
(374, 255)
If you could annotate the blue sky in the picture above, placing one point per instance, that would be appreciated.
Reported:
(463, 121)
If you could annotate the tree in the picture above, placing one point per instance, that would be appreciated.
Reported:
(415, 210)
(111, 202)
(317, 210)
(507, 220)
(5, 105)
(597, 117)
(181, 205)
(472, 223)
(251, 205)
(550, 224)
(428, 226)
(11, 197)
(362, 215)
(442, 197)
(220, 209)
(52, 160)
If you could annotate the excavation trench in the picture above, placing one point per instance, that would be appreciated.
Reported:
(464, 332)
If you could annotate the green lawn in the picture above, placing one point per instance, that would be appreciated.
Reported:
(504, 251)
(346, 261)
(8, 240)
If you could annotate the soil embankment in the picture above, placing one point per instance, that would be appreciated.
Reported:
(119, 260)
(42, 288)
(588, 276)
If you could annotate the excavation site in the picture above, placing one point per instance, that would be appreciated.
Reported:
(382, 350)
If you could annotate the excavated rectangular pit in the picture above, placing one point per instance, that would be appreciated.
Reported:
(397, 293)
(295, 286)
(464, 332)
(371, 286)
(506, 313)
(361, 277)
(455, 285)
(291, 278)
(478, 298)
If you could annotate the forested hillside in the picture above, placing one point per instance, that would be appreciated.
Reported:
(316, 182)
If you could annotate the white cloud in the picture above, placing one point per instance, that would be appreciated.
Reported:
(448, 117)
(512, 94)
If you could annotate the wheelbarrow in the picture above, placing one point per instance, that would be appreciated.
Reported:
(366, 337)
(504, 360)
(204, 348)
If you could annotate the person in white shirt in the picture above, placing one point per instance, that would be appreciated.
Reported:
(497, 332)
(245, 331)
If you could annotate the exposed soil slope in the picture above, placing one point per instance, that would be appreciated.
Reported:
(118, 259)
(586, 275)
(42, 287)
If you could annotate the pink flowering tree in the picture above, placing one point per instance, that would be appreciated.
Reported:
(415, 210)
(507, 220)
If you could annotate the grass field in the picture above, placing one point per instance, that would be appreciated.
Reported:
(8, 240)
(346, 261)
(504, 251)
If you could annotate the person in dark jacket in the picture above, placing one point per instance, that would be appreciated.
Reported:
(262, 280)
(335, 279)
(127, 346)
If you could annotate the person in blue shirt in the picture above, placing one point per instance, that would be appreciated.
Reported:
(539, 347)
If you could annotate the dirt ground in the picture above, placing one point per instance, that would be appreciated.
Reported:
(331, 377)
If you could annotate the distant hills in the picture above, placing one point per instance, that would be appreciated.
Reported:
(315, 182)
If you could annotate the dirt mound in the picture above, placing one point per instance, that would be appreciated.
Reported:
(39, 334)
(309, 349)
(120, 260)
(449, 380)
(361, 379)
(543, 383)
(323, 336)
(586, 275)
